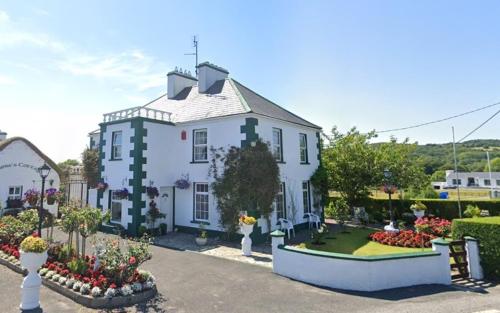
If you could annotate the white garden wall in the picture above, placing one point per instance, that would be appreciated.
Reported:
(343, 271)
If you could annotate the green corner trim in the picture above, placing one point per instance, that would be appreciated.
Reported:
(277, 233)
(102, 156)
(361, 258)
(249, 130)
(137, 154)
(319, 146)
(440, 242)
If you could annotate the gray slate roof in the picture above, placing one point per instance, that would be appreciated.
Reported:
(224, 98)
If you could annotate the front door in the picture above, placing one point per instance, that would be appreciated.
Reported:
(167, 206)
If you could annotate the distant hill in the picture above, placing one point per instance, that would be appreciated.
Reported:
(471, 155)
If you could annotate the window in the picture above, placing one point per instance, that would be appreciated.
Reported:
(278, 144)
(201, 201)
(279, 202)
(116, 208)
(306, 200)
(116, 145)
(498, 182)
(200, 145)
(487, 182)
(303, 148)
(15, 193)
(454, 181)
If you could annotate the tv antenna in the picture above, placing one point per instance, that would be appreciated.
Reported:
(195, 46)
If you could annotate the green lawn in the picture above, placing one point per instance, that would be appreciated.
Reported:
(356, 242)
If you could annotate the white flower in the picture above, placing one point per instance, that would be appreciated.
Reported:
(96, 292)
(137, 287)
(49, 274)
(62, 280)
(85, 289)
(11, 258)
(70, 282)
(43, 271)
(148, 285)
(110, 293)
(126, 290)
(77, 285)
(56, 277)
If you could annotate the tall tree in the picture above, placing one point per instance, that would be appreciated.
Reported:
(90, 171)
(495, 165)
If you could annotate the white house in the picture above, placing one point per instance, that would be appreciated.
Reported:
(19, 163)
(472, 179)
(171, 136)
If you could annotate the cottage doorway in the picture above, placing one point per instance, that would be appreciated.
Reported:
(166, 206)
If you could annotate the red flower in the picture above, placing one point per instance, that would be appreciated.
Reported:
(86, 280)
(112, 286)
(132, 260)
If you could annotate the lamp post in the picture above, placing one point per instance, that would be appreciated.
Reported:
(388, 189)
(44, 171)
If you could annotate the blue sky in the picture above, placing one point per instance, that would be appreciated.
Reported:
(370, 64)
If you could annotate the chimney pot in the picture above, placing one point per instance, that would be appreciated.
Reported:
(177, 81)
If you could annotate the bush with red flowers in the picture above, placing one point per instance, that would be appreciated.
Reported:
(436, 226)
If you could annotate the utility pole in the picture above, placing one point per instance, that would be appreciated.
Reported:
(195, 46)
(456, 172)
(489, 169)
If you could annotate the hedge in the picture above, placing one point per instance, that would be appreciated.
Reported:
(487, 231)
(442, 208)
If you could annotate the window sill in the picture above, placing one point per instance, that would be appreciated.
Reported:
(200, 222)
(198, 162)
(281, 162)
(305, 163)
(115, 160)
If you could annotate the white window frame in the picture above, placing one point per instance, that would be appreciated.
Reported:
(306, 197)
(116, 148)
(278, 145)
(498, 182)
(304, 158)
(116, 201)
(487, 182)
(197, 156)
(16, 195)
(200, 212)
(280, 197)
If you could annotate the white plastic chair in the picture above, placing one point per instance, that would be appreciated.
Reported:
(313, 219)
(287, 226)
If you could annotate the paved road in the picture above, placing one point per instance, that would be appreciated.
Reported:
(191, 282)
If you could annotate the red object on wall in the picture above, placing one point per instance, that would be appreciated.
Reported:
(183, 135)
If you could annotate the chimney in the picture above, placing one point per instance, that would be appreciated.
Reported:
(3, 135)
(178, 80)
(208, 74)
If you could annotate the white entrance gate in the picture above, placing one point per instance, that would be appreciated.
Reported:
(166, 206)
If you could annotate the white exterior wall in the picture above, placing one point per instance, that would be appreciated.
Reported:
(478, 177)
(361, 274)
(116, 172)
(168, 157)
(18, 167)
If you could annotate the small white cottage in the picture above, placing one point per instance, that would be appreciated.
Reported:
(19, 163)
(170, 138)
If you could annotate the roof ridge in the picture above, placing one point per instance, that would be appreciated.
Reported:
(275, 104)
(158, 98)
(7, 142)
(240, 96)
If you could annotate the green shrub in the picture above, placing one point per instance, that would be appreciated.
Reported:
(487, 231)
(338, 210)
(472, 211)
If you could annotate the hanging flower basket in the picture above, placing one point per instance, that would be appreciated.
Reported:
(122, 193)
(102, 186)
(32, 196)
(183, 182)
(152, 192)
(52, 195)
(389, 189)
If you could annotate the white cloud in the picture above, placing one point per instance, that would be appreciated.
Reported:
(4, 17)
(130, 68)
(6, 80)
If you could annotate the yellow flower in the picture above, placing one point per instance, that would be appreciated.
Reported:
(249, 220)
(34, 244)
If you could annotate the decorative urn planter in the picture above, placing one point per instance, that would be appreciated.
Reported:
(419, 213)
(201, 241)
(30, 287)
(246, 241)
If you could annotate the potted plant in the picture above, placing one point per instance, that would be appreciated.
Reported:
(122, 193)
(31, 196)
(152, 192)
(52, 195)
(418, 209)
(202, 238)
(33, 254)
(246, 227)
(102, 186)
(183, 182)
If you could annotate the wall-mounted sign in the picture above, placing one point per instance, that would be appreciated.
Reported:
(20, 164)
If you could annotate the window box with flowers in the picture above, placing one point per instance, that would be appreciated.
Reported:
(121, 193)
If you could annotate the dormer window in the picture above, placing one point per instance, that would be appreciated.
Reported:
(200, 145)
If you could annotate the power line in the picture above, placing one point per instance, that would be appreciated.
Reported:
(437, 121)
(480, 125)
